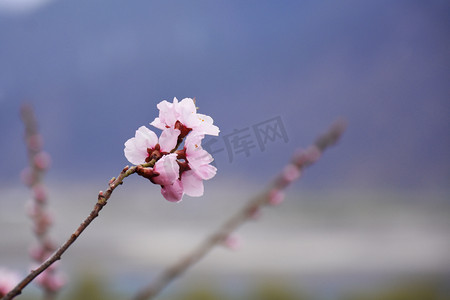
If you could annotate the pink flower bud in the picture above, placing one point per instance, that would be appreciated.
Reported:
(307, 156)
(46, 220)
(290, 173)
(35, 142)
(50, 280)
(39, 193)
(42, 222)
(313, 154)
(276, 197)
(42, 160)
(232, 242)
(56, 282)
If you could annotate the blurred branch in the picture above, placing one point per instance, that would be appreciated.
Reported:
(291, 172)
(101, 202)
(32, 176)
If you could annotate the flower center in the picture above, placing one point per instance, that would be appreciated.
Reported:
(154, 153)
(183, 129)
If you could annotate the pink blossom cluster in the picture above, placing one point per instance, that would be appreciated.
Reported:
(177, 171)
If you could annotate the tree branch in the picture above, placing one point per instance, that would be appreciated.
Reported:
(101, 202)
(299, 161)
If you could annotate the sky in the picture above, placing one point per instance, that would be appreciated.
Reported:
(95, 70)
(21, 6)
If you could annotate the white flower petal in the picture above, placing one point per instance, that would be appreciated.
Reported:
(168, 139)
(136, 148)
(187, 113)
(135, 155)
(206, 125)
(188, 105)
(206, 171)
(158, 124)
(167, 112)
(192, 184)
(146, 138)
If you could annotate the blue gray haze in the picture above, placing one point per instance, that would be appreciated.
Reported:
(95, 70)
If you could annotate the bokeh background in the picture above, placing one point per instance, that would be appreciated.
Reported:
(370, 219)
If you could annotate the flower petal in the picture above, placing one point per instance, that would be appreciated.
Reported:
(173, 192)
(168, 170)
(167, 113)
(188, 105)
(145, 138)
(187, 113)
(206, 125)
(206, 172)
(136, 148)
(192, 184)
(133, 154)
(158, 124)
(198, 158)
(168, 139)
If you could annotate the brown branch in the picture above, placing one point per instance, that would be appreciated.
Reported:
(299, 161)
(101, 202)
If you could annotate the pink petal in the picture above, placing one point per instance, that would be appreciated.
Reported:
(42, 160)
(192, 184)
(198, 158)
(193, 143)
(187, 113)
(173, 192)
(145, 137)
(168, 139)
(135, 155)
(168, 169)
(290, 173)
(205, 171)
(195, 154)
(136, 148)
(187, 105)
(158, 124)
(167, 113)
(206, 125)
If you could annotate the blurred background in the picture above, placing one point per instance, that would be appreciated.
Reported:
(369, 221)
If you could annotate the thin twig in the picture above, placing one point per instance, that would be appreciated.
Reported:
(300, 161)
(101, 202)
